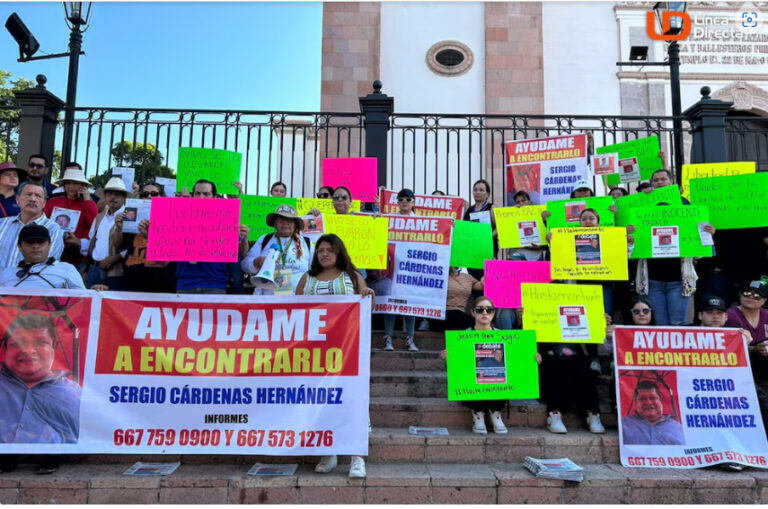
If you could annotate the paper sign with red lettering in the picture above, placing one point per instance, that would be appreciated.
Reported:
(425, 205)
(504, 277)
(188, 374)
(358, 174)
(686, 398)
(193, 230)
(415, 282)
(546, 168)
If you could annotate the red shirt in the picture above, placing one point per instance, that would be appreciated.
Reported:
(88, 212)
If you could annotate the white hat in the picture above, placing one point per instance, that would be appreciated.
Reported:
(582, 184)
(73, 175)
(116, 184)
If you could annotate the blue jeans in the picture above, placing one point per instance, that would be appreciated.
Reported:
(96, 276)
(505, 318)
(389, 325)
(669, 305)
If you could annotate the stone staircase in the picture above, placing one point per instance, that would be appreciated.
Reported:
(406, 389)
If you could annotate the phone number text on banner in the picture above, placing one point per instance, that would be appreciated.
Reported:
(193, 374)
(418, 256)
(686, 398)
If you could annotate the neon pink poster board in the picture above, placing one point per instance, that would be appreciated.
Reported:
(504, 277)
(358, 174)
(193, 230)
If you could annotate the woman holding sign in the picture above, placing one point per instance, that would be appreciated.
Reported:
(481, 212)
(333, 273)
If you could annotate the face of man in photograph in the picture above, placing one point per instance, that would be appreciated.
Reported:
(29, 354)
(62, 221)
(498, 355)
(649, 407)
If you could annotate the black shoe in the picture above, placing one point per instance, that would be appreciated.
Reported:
(48, 465)
(8, 463)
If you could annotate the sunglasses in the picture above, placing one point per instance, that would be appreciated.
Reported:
(147, 194)
(340, 198)
(405, 199)
(751, 295)
(644, 311)
(484, 310)
(323, 195)
(36, 166)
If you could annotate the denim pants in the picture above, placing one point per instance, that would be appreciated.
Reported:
(98, 276)
(669, 305)
(389, 324)
(505, 318)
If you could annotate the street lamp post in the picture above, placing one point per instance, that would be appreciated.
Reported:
(77, 23)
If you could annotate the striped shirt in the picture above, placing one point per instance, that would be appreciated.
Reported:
(10, 256)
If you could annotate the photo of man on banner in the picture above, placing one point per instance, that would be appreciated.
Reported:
(648, 419)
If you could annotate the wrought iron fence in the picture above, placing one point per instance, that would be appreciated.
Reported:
(747, 140)
(9, 134)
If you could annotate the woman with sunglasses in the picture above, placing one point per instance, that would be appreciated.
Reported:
(325, 192)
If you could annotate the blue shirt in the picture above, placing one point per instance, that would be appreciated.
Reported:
(46, 413)
(43, 275)
(638, 431)
(9, 206)
(10, 256)
(190, 276)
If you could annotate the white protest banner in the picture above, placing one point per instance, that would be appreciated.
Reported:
(686, 398)
(546, 168)
(418, 256)
(189, 374)
(425, 205)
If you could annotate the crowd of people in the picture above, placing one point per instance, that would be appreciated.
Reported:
(39, 251)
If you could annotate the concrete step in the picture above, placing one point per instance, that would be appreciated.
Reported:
(413, 383)
(426, 341)
(425, 360)
(387, 483)
(404, 411)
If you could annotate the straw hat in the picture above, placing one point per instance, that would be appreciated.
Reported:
(73, 175)
(116, 184)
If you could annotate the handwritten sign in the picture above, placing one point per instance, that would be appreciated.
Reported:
(654, 238)
(564, 313)
(193, 230)
(668, 194)
(358, 174)
(589, 253)
(471, 244)
(254, 211)
(705, 170)
(645, 149)
(324, 205)
(503, 280)
(738, 201)
(491, 364)
(425, 205)
(520, 226)
(222, 167)
(365, 237)
(566, 212)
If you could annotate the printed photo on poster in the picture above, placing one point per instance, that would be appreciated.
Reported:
(665, 242)
(629, 170)
(490, 365)
(41, 377)
(66, 218)
(526, 177)
(650, 409)
(605, 164)
(136, 210)
(573, 211)
(573, 322)
(529, 233)
(587, 249)
(481, 217)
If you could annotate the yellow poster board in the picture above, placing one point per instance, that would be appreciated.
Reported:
(365, 237)
(324, 205)
(520, 226)
(564, 313)
(697, 171)
(589, 253)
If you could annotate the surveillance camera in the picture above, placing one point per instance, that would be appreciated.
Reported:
(28, 45)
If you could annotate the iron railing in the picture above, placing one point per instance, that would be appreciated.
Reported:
(747, 140)
(9, 132)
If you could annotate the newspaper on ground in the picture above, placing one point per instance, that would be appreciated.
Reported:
(427, 432)
(273, 470)
(142, 469)
(560, 468)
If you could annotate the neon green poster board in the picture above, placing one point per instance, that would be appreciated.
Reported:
(254, 210)
(222, 167)
(645, 149)
(491, 364)
(669, 232)
(471, 244)
(566, 212)
(738, 201)
(667, 194)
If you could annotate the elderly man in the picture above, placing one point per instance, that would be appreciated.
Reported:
(649, 425)
(9, 181)
(105, 263)
(38, 269)
(75, 197)
(31, 198)
(37, 169)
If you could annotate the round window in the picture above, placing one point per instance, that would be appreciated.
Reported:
(449, 58)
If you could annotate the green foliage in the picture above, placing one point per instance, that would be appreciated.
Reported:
(146, 158)
(9, 114)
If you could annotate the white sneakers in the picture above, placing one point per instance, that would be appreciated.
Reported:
(555, 423)
(411, 345)
(356, 467)
(478, 423)
(595, 426)
(498, 424)
(388, 343)
(327, 463)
